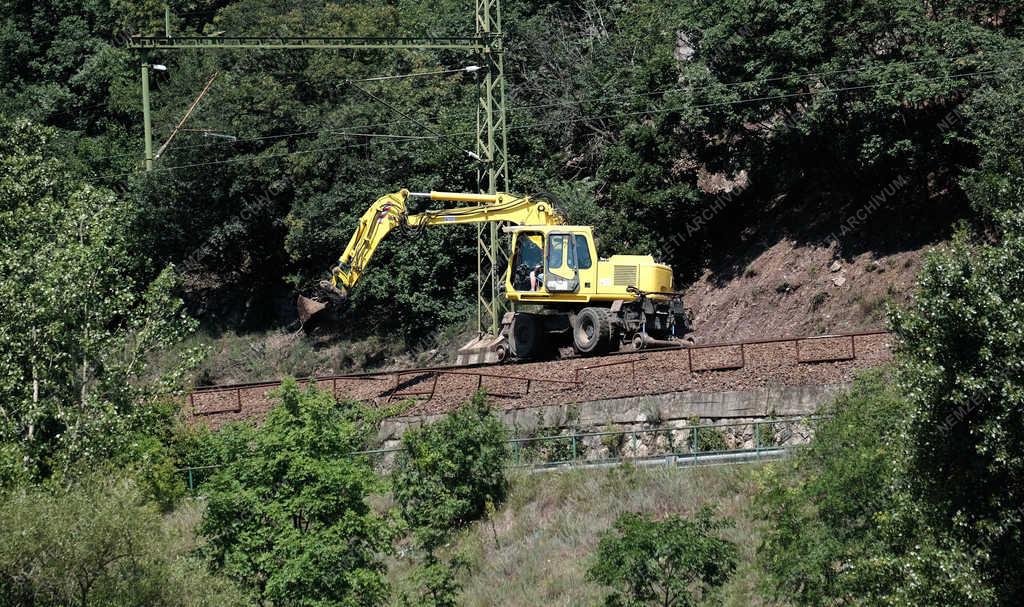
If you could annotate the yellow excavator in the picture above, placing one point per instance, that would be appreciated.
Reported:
(565, 294)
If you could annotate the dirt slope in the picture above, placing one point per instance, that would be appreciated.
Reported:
(798, 289)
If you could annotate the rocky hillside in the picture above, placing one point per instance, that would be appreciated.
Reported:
(792, 289)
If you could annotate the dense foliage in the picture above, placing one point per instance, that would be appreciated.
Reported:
(671, 562)
(910, 494)
(447, 475)
(964, 375)
(78, 328)
(287, 517)
(448, 472)
(844, 526)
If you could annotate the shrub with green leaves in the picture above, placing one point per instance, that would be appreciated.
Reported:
(287, 517)
(436, 581)
(962, 366)
(100, 541)
(842, 525)
(673, 561)
(705, 438)
(447, 472)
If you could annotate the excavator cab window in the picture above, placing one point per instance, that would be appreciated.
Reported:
(583, 261)
(556, 251)
(528, 262)
(561, 274)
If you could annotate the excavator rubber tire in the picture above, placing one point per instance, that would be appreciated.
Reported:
(524, 335)
(591, 331)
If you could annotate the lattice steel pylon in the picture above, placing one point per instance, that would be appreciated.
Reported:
(492, 174)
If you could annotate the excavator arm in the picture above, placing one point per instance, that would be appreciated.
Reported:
(391, 211)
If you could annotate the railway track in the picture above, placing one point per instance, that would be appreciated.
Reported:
(825, 359)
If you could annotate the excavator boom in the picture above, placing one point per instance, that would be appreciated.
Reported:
(391, 212)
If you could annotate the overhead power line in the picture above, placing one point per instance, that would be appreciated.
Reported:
(425, 127)
(341, 131)
(689, 88)
(229, 161)
(469, 69)
(545, 124)
(809, 93)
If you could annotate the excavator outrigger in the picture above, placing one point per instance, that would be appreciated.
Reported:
(565, 293)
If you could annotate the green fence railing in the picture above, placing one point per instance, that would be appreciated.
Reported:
(567, 447)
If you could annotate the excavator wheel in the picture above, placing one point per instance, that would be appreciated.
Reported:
(591, 331)
(525, 335)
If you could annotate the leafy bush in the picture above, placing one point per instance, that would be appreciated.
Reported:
(673, 561)
(99, 542)
(615, 441)
(12, 466)
(437, 583)
(705, 438)
(962, 367)
(287, 517)
(549, 445)
(842, 526)
(766, 434)
(207, 451)
(447, 472)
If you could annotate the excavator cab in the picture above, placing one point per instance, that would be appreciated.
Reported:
(560, 272)
(551, 263)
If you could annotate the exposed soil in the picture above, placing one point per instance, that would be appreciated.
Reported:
(793, 289)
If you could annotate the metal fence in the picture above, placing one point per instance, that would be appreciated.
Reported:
(672, 444)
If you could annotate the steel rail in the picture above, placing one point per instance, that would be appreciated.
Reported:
(434, 374)
(372, 375)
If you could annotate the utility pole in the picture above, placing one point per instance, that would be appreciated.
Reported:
(147, 120)
(491, 136)
(492, 148)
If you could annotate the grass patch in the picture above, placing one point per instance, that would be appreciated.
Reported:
(269, 355)
(548, 530)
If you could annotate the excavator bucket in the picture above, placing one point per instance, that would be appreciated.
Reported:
(309, 308)
(328, 299)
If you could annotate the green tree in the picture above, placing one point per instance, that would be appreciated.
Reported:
(962, 361)
(436, 581)
(843, 526)
(673, 562)
(99, 541)
(960, 355)
(994, 117)
(288, 519)
(81, 321)
(447, 472)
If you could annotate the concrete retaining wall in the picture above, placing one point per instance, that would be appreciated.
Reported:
(640, 412)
